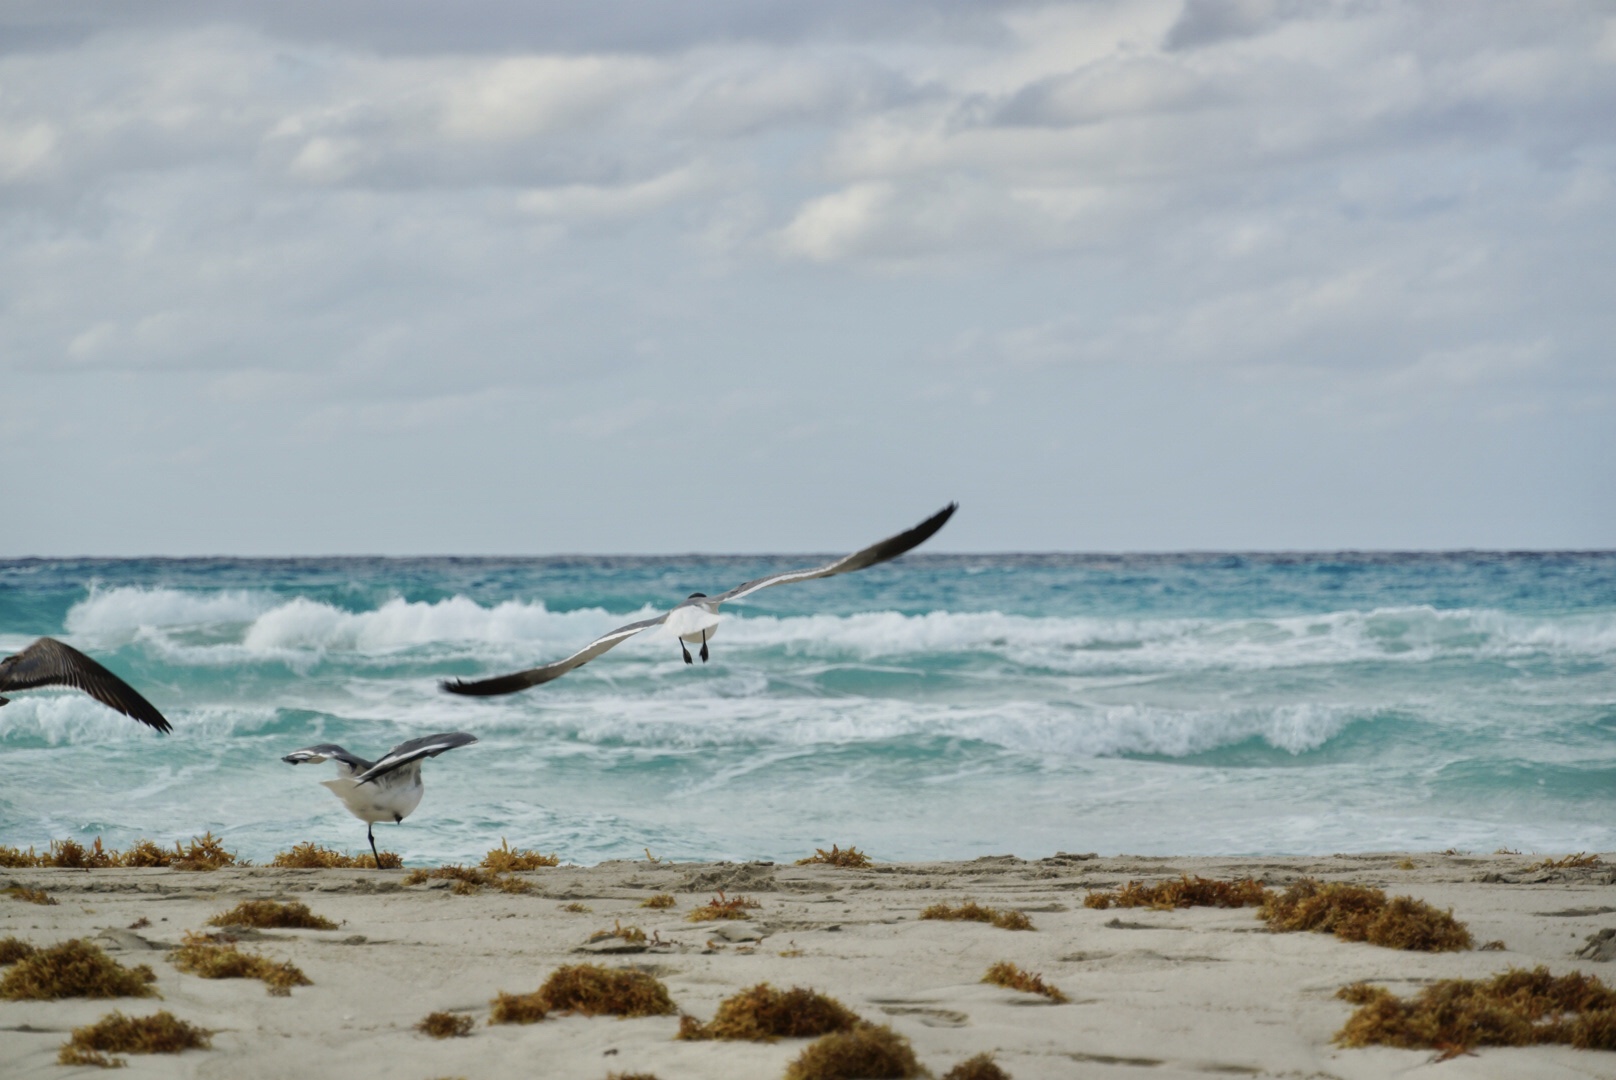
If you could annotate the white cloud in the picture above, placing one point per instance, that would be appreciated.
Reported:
(219, 230)
(26, 150)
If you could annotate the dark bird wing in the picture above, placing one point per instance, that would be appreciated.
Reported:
(521, 680)
(415, 750)
(880, 552)
(313, 755)
(48, 662)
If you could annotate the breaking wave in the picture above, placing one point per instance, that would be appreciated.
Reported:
(251, 622)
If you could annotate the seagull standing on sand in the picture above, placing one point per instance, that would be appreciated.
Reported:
(696, 618)
(48, 662)
(385, 790)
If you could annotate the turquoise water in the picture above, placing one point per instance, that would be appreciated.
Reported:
(940, 706)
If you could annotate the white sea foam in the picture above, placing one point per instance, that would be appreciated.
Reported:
(528, 632)
(398, 624)
(65, 718)
(118, 612)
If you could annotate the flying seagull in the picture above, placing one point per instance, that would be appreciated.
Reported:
(696, 618)
(385, 790)
(48, 662)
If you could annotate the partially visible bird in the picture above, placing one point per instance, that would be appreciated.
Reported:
(695, 619)
(48, 662)
(385, 790)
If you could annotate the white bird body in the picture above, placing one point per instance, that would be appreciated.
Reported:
(390, 798)
(385, 790)
(693, 621)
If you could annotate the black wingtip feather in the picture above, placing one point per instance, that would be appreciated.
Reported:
(501, 684)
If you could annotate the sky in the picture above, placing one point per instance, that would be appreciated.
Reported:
(501, 277)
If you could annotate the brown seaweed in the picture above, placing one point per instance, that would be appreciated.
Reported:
(30, 896)
(971, 911)
(763, 1014)
(115, 1033)
(980, 1067)
(506, 859)
(209, 958)
(74, 968)
(1360, 913)
(1515, 1008)
(1182, 892)
(272, 915)
(443, 1025)
(517, 1008)
(865, 1052)
(723, 907)
(311, 856)
(592, 990)
(849, 858)
(1009, 975)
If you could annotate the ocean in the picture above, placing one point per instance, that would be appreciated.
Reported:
(942, 706)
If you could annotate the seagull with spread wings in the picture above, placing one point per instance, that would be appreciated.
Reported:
(48, 662)
(385, 790)
(696, 619)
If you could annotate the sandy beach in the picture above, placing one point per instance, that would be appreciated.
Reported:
(1154, 994)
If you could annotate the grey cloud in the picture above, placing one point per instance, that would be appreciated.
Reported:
(923, 244)
(1209, 22)
(512, 26)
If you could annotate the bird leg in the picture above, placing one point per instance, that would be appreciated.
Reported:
(370, 831)
(685, 651)
(704, 646)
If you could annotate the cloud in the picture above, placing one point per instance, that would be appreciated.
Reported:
(233, 227)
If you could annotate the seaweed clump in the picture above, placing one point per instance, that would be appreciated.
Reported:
(660, 900)
(1008, 975)
(218, 958)
(971, 911)
(722, 907)
(980, 1067)
(12, 950)
(1360, 913)
(633, 935)
(592, 990)
(115, 1033)
(71, 855)
(145, 854)
(763, 1014)
(866, 1051)
(311, 856)
(1516, 1008)
(272, 915)
(75, 968)
(1183, 892)
(517, 1008)
(30, 896)
(850, 858)
(506, 859)
(16, 859)
(206, 852)
(443, 1025)
(1580, 861)
(468, 881)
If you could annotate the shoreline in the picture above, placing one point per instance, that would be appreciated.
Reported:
(1154, 994)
